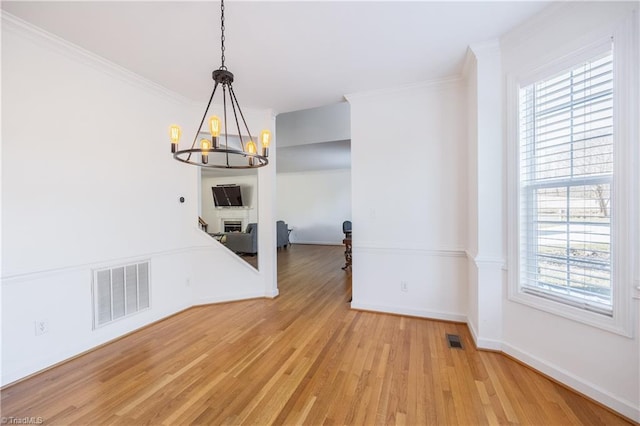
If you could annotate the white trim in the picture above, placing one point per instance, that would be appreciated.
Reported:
(317, 243)
(272, 293)
(232, 298)
(314, 172)
(401, 310)
(545, 21)
(103, 264)
(513, 188)
(487, 260)
(532, 27)
(78, 54)
(469, 59)
(42, 273)
(591, 390)
(565, 62)
(472, 331)
(626, 187)
(483, 344)
(410, 88)
(408, 251)
(491, 47)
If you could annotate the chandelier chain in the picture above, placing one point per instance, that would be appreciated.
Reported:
(216, 152)
(222, 67)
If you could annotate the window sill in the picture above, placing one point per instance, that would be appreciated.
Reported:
(613, 324)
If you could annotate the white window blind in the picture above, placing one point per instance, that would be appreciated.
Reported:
(565, 177)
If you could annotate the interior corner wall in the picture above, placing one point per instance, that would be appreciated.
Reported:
(409, 200)
(472, 194)
(603, 365)
(314, 204)
(88, 182)
(484, 250)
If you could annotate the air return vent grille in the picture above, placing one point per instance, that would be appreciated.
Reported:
(120, 291)
(454, 341)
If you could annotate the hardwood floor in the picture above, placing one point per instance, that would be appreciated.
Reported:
(302, 358)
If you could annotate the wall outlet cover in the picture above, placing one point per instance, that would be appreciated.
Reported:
(42, 327)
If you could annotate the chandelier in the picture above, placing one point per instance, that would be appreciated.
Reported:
(216, 152)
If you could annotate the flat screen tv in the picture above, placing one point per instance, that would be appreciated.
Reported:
(227, 196)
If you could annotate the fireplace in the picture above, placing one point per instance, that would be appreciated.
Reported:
(232, 220)
(232, 225)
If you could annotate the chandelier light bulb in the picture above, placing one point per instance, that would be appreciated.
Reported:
(205, 145)
(174, 134)
(214, 126)
(265, 140)
(251, 148)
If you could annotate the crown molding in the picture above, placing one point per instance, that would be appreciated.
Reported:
(532, 26)
(490, 47)
(442, 83)
(469, 61)
(12, 24)
(477, 51)
(542, 22)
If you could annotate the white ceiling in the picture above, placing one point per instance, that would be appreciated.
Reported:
(285, 55)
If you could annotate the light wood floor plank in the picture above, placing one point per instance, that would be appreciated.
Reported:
(302, 358)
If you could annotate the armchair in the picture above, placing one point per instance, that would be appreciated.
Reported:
(243, 242)
(282, 232)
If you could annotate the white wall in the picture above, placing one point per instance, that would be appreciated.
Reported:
(314, 204)
(598, 363)
(409, 199)
(88, 181)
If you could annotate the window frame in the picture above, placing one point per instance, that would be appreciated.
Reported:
(624, 189)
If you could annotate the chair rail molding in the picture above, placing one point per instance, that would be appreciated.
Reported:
(376, 249)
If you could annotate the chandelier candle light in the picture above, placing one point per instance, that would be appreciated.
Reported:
(210, 152)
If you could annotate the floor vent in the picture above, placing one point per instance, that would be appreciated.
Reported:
(454, 341)
(119, 292)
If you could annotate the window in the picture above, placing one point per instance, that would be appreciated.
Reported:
(573, 181)
(565, 180)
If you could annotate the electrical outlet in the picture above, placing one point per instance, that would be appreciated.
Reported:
(42, 327)
(187, 282)
(404, 286)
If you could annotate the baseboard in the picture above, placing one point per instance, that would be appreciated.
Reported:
(318, 243)
(420, 313)
(233, 298)
(623, 407)
(272, 294)
(483, 344)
